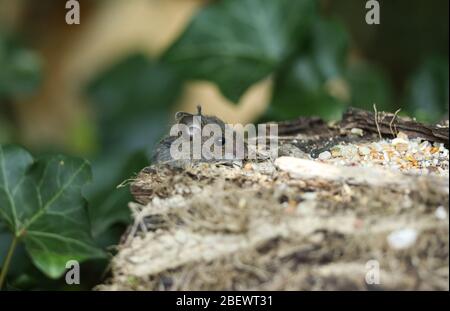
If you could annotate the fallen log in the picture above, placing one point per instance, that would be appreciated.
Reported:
(389, 124)
(318, 217)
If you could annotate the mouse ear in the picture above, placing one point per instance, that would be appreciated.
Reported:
(199, 110)
(180, 115)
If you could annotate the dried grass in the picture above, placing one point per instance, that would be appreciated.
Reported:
(226, 228)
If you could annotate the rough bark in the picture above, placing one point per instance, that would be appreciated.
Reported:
(389, 124)
(293, 223)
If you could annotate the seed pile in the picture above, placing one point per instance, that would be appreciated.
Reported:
(416, 156)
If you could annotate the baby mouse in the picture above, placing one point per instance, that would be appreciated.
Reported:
(162, 154)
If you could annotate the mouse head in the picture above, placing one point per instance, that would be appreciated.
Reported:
(218, 140)
(197, 126)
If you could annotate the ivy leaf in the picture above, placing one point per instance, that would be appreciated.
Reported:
(132, 116)
(304, 87)
(111, 204)
(132, 112)
(329, 47)
(21, 70)
(41, 204)
(302, 92)
(427, 90)
(235, 43)
(369, 85)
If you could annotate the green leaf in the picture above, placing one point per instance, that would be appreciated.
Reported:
(109, 205)
(21, 261)
(302, 92)
(21, 69)
(369, 85)
(329, 47)
(427, 94)
(131, 102)
(6, 130)
(235, 43)
(42, 205)
(303, 88)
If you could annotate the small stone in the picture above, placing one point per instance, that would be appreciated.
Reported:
(424, 145)
(417, 157)
(441, 213)
(309, 196)
(434, 150)
(180, 237)
(400, 144)
(364, 150)
(402, 135)
(376, 146)
(357, 131)
(248, 167)
(402, 239)
(336, 151)
(349, 151)
(326, 155)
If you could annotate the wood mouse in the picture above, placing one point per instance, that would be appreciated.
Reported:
(162, 155)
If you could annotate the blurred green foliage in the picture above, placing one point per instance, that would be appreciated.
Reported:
(20, 75)
(130, 101)
(20, 72)
(428, 90)
(302, 83)
(233, 43)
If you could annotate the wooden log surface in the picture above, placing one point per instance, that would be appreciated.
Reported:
(298, 222)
